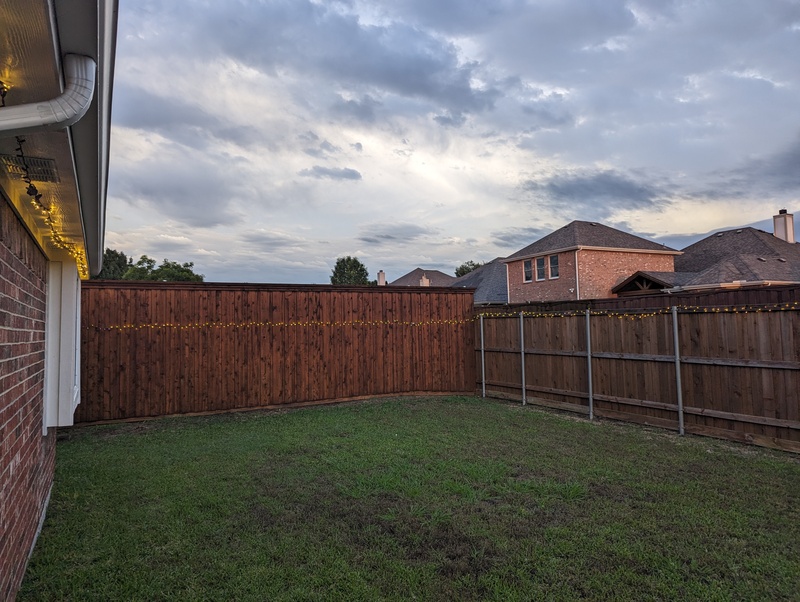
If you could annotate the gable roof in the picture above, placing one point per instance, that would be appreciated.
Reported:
(729, 258)
(413, 278)
(489, 282)
(742, 242)
(589, 234)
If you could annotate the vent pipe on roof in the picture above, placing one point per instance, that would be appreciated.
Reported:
(783, 226)
(60, 112)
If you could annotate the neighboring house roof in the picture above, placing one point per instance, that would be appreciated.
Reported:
(743, 242)
(414, 277)
(489, 281)
(643, 282)
(732, 258)
(580, 234)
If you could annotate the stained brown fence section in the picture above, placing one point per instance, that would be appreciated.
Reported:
(160, 349)
(739, 367)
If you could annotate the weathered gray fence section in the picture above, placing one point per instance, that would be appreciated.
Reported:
(725, 372)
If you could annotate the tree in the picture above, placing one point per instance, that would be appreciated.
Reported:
(168, 271)
(115, 264)
(172, 271)
(141, 270)
(467, 267)
(349, 270)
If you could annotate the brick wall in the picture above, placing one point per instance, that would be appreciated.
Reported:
(26, 457)
(543, 290)
(598, 271)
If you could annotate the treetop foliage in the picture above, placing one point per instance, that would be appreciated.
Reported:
(116, 266)
(349, 271)
(467, 267)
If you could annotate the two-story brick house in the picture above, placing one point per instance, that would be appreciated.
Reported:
(582, 260)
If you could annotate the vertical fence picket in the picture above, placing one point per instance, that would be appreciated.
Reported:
(589, 362)
(483, 363)
(522, 354)
(678, 386)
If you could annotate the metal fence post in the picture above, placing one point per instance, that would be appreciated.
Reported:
(589, 361)
(483, 363)
(677, 367)
(522, 354)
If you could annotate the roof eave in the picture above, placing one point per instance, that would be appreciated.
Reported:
(730, 285)
(89, 27)
(589, 248)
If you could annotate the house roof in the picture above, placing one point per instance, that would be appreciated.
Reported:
(644, 282)
(743, 242)
(731, 257)
(489, 282)
(413, 278)
(589, 234)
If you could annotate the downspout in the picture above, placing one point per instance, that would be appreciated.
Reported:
(577, 280)
(60, 112)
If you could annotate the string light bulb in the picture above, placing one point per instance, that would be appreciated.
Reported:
(57, 238)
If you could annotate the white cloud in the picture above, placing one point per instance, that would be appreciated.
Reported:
(264, 142)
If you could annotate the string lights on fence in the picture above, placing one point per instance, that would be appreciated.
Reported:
(649, 313)
(286, 324)
(292, 324)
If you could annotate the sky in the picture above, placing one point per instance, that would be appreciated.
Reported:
(261, 140)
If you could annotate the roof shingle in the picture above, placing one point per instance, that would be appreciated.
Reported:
(413, 278)
(589, 234)
(489, 282)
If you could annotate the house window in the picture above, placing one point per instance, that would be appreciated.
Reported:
(526, 265)
(554, 266)
(540, 273)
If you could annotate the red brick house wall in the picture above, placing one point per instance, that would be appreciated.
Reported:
(543, 290)
(598, 272)
(26, 457)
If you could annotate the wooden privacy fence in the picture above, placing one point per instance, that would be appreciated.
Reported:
(729, 372)
(154, 349)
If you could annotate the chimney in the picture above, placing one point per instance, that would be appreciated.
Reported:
(783, 226)
(424, 281)
(381, 278)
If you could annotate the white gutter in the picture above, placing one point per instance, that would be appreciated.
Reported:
(60, 112)
(577, 278)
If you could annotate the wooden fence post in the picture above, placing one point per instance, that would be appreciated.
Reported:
(589, 361)
(483, 363)
(522, 354)
(677, 368)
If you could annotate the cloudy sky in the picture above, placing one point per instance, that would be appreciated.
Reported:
(264, 139)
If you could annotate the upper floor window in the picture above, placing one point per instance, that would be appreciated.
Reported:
(528, 268)
(554, 266)
(540, 273)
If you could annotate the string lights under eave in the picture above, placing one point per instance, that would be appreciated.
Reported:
(49, 216)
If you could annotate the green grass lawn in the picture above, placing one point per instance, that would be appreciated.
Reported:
(416, 498)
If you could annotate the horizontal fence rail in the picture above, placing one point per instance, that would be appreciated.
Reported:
(154, 349)
(731, 372)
